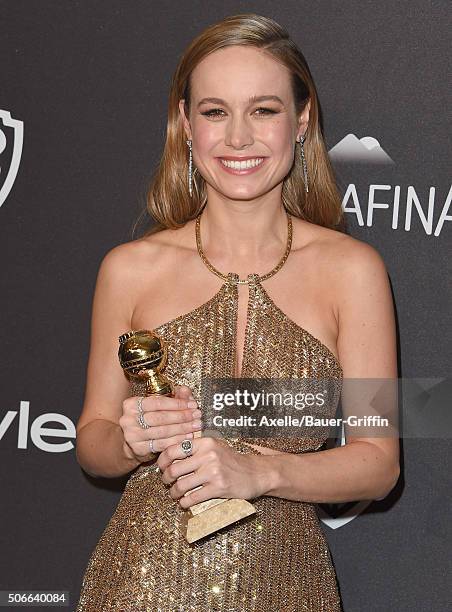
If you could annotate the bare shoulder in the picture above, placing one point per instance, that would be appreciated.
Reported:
(360, 274)
(357, 263)
(137, 259)
(342, 257)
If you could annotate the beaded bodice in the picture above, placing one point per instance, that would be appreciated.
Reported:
(202, 343)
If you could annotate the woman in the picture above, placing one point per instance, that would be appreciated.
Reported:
(244, 193)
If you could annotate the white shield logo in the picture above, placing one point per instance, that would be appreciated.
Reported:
(18, 127)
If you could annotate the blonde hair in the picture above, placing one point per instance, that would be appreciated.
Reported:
(168, 201)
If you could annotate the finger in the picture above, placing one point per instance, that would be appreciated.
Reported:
(176, 422)
(162, 403)
(169, 431)
(204, 493)
(156, 402)
(179, 468)
(185, 484)
(159, 444)
(184, 392)
(173, 454)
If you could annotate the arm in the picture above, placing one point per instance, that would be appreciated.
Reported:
(101, 450)
(365, 468)
(100, 446)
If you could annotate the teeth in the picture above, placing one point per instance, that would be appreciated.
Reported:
(242, 165)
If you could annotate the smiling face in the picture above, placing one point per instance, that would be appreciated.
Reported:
(242, 122)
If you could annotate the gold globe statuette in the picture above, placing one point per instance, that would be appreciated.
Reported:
(143, 355)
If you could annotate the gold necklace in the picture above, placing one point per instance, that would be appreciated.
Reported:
(226, 276)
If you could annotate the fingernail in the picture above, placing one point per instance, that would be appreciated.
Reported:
(196, 413)
(197, 423)
(192, 404)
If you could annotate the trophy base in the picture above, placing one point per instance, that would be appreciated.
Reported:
(207, 517)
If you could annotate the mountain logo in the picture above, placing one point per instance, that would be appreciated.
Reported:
(7, 183)
(365, 150)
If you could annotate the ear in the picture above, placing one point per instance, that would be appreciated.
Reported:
(303, 120)
(185, 121)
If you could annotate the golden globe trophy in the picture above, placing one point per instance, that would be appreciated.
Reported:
(143, 355)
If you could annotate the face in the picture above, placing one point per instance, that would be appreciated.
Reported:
(244, 137)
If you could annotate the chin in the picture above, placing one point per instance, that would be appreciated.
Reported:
(242, 195)
(241, 192)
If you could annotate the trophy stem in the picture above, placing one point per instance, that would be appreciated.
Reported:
(155, 382)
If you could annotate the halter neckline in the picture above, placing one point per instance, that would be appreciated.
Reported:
(233, 276)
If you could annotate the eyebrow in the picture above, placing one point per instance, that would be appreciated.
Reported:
(251, 100)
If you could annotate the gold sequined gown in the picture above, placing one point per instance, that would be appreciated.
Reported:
(276, 560)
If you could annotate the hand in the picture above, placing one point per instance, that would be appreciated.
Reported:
(171, 420)
(213, 466)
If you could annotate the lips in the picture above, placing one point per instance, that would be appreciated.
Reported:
(236, 158)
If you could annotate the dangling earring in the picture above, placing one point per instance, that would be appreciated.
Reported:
(303, 162)
(190, 169)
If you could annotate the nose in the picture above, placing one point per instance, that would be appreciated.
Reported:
(238, 133)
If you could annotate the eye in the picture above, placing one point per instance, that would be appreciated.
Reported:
(266, 111)
(214, 112)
